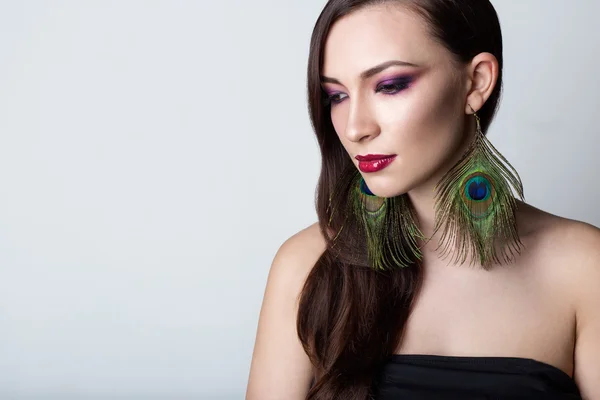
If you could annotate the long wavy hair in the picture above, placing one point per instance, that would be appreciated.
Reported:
(351, 317)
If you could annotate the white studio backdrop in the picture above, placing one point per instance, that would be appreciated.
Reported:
(155, 154)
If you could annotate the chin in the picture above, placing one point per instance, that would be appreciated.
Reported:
(387, 185)
(387, 190)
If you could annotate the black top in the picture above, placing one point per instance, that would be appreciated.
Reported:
(420, 376)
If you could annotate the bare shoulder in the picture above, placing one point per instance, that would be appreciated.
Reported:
(307, 244)
(568, 247)
(559, 236)
(298, 254)
(280, 369)
(582, 246)
(573, 250)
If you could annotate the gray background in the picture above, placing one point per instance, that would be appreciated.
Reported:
(155, 154)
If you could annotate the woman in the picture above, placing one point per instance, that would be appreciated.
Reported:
(364, 303)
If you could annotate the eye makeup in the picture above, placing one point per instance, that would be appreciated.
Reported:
(396, 84)
(388, 86)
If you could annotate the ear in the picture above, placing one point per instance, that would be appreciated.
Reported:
(482, 78)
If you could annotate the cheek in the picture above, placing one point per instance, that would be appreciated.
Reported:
(338, 120)
(431, 120)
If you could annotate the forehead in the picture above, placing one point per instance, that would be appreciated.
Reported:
(374, 35)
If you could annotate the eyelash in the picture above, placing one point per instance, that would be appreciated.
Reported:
(398, 84)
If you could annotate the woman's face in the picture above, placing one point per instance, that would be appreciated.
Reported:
(414, 110)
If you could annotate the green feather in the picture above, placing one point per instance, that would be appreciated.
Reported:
(475, 207)
(371, 231)
(390, 228)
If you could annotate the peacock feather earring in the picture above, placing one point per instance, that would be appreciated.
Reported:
(475, 205)
(386, 228)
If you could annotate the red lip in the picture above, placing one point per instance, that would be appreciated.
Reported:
(374, 162)
(371, 157)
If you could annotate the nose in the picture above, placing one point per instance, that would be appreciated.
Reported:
(361, 124)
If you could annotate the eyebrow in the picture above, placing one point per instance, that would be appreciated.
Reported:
(371, 71)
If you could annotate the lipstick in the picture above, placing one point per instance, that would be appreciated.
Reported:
(374, 162)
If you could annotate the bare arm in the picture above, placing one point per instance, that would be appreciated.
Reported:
(587, 295)
(280, 369)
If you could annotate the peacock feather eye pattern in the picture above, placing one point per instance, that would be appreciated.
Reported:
(478, 194)
(374, 206)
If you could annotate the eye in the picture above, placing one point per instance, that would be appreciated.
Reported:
(332, 99)
(395, 86)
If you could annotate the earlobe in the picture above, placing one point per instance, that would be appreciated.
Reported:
(484, 75)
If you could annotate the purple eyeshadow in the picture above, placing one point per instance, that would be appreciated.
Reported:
(400, 80)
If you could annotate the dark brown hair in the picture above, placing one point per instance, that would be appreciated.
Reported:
(351, 317)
